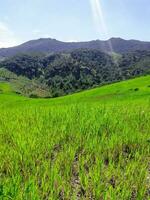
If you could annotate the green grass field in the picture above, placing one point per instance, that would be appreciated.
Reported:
(93, 145)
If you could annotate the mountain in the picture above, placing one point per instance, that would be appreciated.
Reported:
(47, 45)
(64, 73)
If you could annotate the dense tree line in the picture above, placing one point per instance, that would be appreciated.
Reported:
(65, 73)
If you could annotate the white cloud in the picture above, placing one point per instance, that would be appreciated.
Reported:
(7, 37)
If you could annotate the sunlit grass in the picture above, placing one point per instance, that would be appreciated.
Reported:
(91, 145)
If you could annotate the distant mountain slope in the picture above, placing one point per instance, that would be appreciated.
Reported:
(48, 45)
(65, 73)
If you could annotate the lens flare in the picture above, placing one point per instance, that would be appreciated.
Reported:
(99, 20)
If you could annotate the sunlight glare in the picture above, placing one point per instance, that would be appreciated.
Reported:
(99, 20)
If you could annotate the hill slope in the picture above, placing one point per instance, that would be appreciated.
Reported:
(64, 73)
(90, 145)
(131, 90)
(48, 45)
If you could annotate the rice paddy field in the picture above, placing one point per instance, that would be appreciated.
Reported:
(93, 145)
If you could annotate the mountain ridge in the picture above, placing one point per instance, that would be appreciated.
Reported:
(49, 45)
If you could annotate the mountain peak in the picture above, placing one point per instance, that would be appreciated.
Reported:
(117, 39)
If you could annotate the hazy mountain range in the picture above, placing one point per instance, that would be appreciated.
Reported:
(48, 45)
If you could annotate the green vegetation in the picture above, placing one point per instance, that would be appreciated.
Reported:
(91, 145)
(65, 73)
(23, 85)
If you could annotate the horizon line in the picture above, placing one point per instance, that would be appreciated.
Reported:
(50, 38)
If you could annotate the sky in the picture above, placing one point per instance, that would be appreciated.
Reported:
(73, 20)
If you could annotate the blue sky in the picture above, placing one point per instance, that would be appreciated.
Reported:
(73, 20)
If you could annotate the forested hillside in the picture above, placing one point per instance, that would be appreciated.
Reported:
(64, 73)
